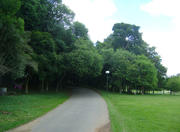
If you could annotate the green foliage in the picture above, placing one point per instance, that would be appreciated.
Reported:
(42, 43)
(63, 14)
(146, 73)
(9, 7)
(130, 70)
(84, 59)
(126, 36)
(80, 30)
(13, 47)
(173, 83)
(44, 15)
(45, 46)
(133, 64)
(161, 70)
(63, 38)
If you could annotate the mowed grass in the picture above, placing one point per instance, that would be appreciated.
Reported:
(143, 113)
(17, 110)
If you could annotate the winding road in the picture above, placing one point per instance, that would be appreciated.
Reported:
(85, 111)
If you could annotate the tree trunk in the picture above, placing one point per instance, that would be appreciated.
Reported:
(153, 91)
(42, 86)
(139, 91)
(126, 90)
(3, 34)
(61, 87)
(27, 86)
(113, 88)
(145, 91)
(135, 91)
(142, 91)
(57, 87)
(47, 87)
(171, 92)
(129, 90)
(120, 90)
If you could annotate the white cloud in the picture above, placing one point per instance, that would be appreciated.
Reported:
(168, 46)
(95, 14)
(165, 8)
(162, 7)
(167, 43)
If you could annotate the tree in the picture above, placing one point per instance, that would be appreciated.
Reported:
(84, 60)
(120, 63)
(127, 37)
(156, 59)
(4, 68)
(14, 39)
(63, 38)
(130, 53)
(173, 84)
(129, 71)
(41, 43)
(146, 74)
(31, 68)
(9, 7)
(10, 35)
(44, 48)
(60, 71)
(44, 15)
(79, 30)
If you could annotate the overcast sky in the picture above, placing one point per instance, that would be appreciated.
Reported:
(159, 21)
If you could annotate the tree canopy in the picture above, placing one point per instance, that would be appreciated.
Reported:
(173, 83)
(42, 46)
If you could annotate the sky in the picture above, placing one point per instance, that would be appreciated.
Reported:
(159, 21)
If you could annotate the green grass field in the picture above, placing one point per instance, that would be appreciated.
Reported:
(17, 110)
(143, 113)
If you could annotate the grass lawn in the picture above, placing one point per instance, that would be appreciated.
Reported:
(143, 113)
(17, 110)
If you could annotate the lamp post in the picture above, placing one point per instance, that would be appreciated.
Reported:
(127, 39)
(107, 73)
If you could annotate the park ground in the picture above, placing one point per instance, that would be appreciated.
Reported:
(84, 111)
(143, 113)
(20, 109)
(128, 113)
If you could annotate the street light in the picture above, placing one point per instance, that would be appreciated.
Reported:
(127, 38)
(107, 73)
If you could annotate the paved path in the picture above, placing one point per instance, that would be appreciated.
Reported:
(85, 111)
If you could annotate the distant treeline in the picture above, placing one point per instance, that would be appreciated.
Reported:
(42, 48)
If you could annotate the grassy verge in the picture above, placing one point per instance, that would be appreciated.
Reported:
(17, 110)
(143, 113)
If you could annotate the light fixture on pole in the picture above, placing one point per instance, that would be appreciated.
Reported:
(127, 38)
(107, 73)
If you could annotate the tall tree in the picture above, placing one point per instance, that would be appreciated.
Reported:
(43, 15)
(79, 30)
(146, 74)
(44, 47)
(126, 36)
(120, 63)
(14, 39)
(173, 83)
(84, 60)
(156, 59)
